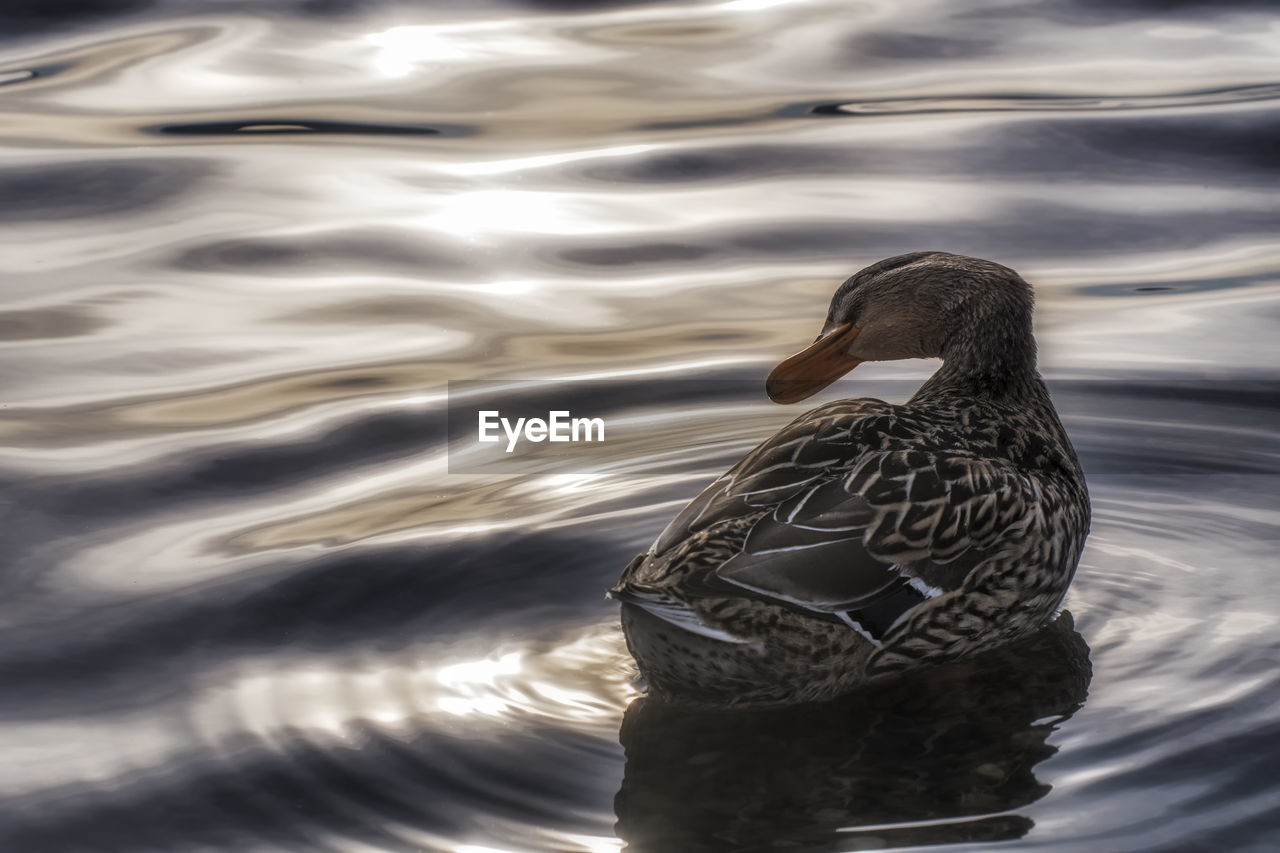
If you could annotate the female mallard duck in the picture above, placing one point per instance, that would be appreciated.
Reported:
(868, 538)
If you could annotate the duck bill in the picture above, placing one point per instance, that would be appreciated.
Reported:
(813, 368)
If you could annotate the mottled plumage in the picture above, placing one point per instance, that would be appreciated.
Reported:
(866, 538)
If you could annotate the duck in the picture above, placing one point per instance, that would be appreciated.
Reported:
(869, 539)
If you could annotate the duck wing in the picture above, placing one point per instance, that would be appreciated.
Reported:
(862, 514)
(799, 455)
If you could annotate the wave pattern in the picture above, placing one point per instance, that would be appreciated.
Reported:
(248, 607)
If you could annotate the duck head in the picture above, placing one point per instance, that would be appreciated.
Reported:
(920, 305)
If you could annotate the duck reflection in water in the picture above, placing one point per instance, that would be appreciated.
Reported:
(942, 755)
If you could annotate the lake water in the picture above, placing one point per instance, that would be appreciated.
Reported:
(250, 605)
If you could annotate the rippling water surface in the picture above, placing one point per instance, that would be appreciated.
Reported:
(247, 607)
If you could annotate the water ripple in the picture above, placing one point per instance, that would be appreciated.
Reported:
(271, 126)
(1047, 102)
(256, 597)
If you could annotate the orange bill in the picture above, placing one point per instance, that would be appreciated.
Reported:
(813, 368)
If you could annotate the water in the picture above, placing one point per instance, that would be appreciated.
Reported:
(248, 607)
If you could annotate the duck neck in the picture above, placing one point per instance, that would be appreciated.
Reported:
(991, 359)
